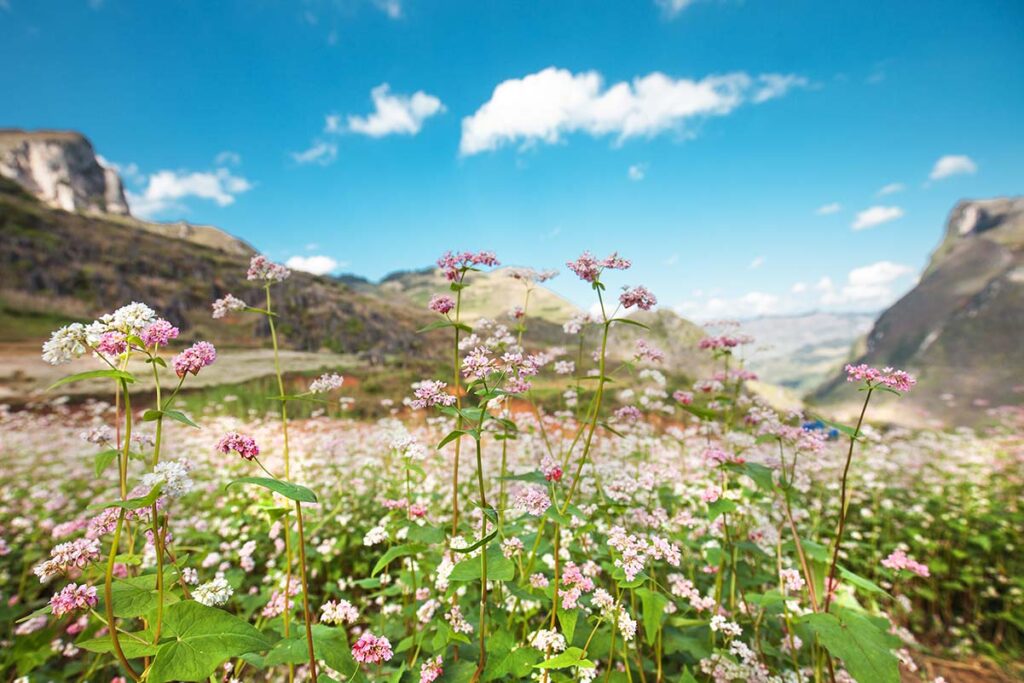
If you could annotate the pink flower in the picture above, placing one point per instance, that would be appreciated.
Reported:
(194, 358)
(711, 494)
(478, 364)
(229, 302)
(588, 268)
(370, 649)
(158, 333)
(551, 469)
(72, 598)
(532, 499)
(645, 351)
(262, 268)
(897, 380)
(454, 265)
(112, 343)
(441, 303)
(684, 397)
(628, 414)
(245, 446)
(640, 297)
(431, 670)
(430, 393)
(723, 342)
(898, 559)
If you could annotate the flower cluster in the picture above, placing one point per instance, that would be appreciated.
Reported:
(897, 380)
(371, 649)
(245, 446)
(338, 612)
(213, 593)
(430, 393)
(588, 268)
(262, 268)
(898, 559)
(455, 264)
(159, 333)
(72, 598)
(326, 383)
(68, 557)
(227, 304)
(641, 297)
(441, 303)
(194, 358)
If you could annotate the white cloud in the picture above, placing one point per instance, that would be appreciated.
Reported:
(392, 8)
(953, 164)
(798, 288)
(637, 172)
(165, 189)
(876, 215)
(870, 285)
(827, 209)
(891, 188)
(673, 7)
(228, 158)
(332, 124)
(321, 153)
(757, 262)
(402, 114)
(750, 304)
(128, 172)
(545, 106)
(318, 264)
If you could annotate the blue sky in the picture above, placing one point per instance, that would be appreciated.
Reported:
(705, 140)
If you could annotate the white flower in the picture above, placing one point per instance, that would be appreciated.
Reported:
(326, 382)
(173, 474)
(375, 535)
(545, 640)
(65, 344)
(213, 593)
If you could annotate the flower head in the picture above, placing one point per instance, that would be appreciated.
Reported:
(588, 268)
(326, 382)
(455, 264)
(640, 297)
(430, 393)
(72, 598)
(194, 358)
(245, 446)
(213, 593)
(112, 343)
(65, 344)
(228, 303)
(431, 670)
(159, 333)
(371, 649)
(897, 380)
(262, 268)
(441, 303)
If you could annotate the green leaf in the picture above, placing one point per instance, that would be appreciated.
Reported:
(849, 431)
(120, 375)
(653, 607)
(451, 436)
(499, 568)
(861, 582)
(629, 321)
(720, 506)
(181, 417)
(573, 656)
(132, 503)
(761, 474)
(329, 644)
(201, 639)
(136, 596)
(436, 325)
(103, 460)
(133, 645)
(568, 618)
(864, 649)
(286, 489)
(425, 534)
(395, 552)
(476, 544)
(702, 413)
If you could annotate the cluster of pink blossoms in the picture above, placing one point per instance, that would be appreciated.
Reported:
(646, 351)
(641, 297)
(429, 393)
(262, 268)
(453, 264)
(531, 499)
(441, 303)
(67, 557)
(898, 559)
(897, 380)
(588, 268)
(73, 598)
(227, 304)
(575, 584)
(724, 341)
(194, 358)
(159, 333)
(371, 649)
(431, 670)
(112, 343)
(245, 446)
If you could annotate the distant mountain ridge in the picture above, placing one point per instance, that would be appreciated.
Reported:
(961, 329)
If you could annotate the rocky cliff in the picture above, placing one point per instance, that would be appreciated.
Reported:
(961, 328)
(61, 169)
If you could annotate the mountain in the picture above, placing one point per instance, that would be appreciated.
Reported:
(960, 330)
(800, 351)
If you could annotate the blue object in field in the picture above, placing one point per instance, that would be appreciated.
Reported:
(813, 426)
(833, 434)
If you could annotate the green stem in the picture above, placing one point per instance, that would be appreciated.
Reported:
(305, 593)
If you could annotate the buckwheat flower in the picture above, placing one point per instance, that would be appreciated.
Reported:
(565, 367)
(431, 670)
(426, 611)
(547, 641)
(538, 581)
(65, 344)
(511, 546)
(99, 435)
(173, 474)
(375, 536)
(627, 625)
(711, 494)
(245, 446)
(640, 297)
(632, 551)
(190, 576)
(550, 468)
(72, 598)
(262, 268)
(898, 559)
(723, 625)
(430, 393)
(112, 343)
(684, 397)
(371, 649)
(478, 364)
(531, 499)
(213, 593)
(441, 303)
(227, 304)
(339, 612)
(159, 333)
(628, 414)
(616, 262)
(646, 351)
(67, 557)
(791, 580)
(456, 621)
(130, 319)
(586, 267)
(326, 383)
(898, 379)
(194, 358)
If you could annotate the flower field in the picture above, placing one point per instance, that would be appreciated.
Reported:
(636, 531)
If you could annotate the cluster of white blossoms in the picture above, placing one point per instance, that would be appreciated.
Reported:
(338, 612)
(326, 382)
(173, 474)
(375, 536)
(213, 593)
(548, 641)
(75, 340)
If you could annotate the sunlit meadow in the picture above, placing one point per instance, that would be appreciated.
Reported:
(621, 529)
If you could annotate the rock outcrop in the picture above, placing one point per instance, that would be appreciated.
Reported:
(62, 170)
(961, 328)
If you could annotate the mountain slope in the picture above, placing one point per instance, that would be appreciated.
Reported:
(961, 328)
